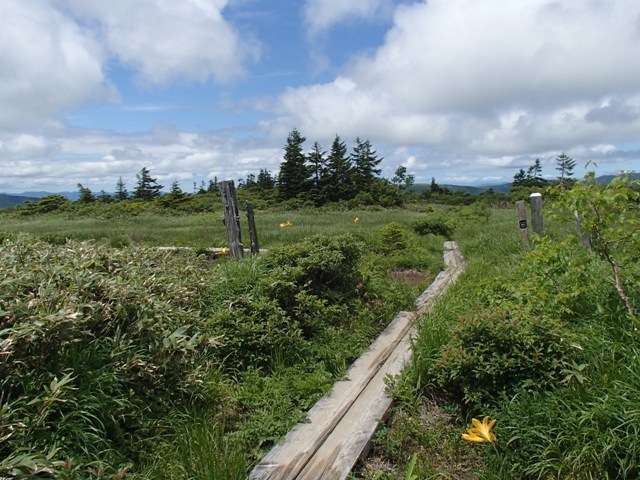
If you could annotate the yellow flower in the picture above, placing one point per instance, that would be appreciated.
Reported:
(289, 224)
(472, 437)
(481, 431)
(357, 220)
(282, 225)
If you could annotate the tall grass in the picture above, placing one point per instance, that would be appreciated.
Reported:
(582, 422)
(207, 230)
(143, 339)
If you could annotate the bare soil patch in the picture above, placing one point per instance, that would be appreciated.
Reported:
(410, 277)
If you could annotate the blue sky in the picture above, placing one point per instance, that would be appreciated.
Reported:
(465, 91)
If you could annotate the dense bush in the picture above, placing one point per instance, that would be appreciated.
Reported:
(433, 226)
(394, 237)
(495, 353)
(96, 345)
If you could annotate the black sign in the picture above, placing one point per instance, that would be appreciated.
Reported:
(523, 224)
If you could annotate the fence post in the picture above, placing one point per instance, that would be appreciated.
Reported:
(536, 213)
(231, 218)
(253, 233)
(585, 238)
(522, 222)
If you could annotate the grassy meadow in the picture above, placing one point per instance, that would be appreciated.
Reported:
(544, 341)
(122, 361)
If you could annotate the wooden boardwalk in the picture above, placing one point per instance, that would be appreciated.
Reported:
(339, 427)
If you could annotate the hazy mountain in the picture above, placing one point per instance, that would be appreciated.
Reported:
(70, 195)
(12, 200)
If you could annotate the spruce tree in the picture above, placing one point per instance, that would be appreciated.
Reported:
(265, 181)
(86, 195)
(147, 187)
(365, 163)
(176, 190)
(565, 165)
(534, 175)
(318, 167)
(121, 191)
(519, 179)
(339, 179)
(294, 173)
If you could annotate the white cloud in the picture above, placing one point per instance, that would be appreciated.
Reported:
(168, 40)
(321, 15)
(488, 78)
(98, 158)
(48, 64)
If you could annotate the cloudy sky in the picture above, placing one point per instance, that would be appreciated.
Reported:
(466, 91)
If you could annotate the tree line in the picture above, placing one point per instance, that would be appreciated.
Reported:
(315, 178)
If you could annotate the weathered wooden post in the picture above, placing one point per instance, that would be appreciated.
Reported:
(522, 222)
(231, 218)
(585, 238)
(535, 199)
(253, 233)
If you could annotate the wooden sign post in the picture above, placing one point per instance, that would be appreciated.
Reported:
(522, 222)
(231, 218)
(535, 199)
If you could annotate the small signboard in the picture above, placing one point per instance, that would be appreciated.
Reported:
(523, 224)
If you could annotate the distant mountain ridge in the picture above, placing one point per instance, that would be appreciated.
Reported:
(7, 200)
(13, 199)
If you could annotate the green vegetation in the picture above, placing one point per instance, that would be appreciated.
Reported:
(121, 360)
(545, 341)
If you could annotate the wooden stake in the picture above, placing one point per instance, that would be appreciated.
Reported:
(231, 218)
(522, 222)
(535, 199)
(253, 233)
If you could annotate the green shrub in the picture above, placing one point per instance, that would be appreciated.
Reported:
(494, 353)
(253, 329)
(394, 237)
(433, 226)
(95, 346)
(325, 266)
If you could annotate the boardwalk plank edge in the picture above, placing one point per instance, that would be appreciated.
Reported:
(336, 433)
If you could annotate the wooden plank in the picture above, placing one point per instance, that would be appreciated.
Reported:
(341, 424)
(352, 436)
(286, 460)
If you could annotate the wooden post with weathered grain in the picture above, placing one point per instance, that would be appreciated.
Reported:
(535, 199)
(253, 233)
(231, 218)
(522, 222)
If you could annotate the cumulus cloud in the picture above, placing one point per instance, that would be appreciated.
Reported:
(48, 64)
(165, 41)
(488, 78)
(321, 15)
(97, 159)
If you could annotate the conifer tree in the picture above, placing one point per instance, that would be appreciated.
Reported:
(176, 190)
(339, 179)
(86, 195)
(565, 165)
(265, 181)
(294, 173)
(121, 191)
(147, 187)
(364, 162)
